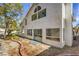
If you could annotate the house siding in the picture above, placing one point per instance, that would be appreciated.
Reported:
(52, 20)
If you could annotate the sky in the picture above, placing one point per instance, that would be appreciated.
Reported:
(26, 7)
(76, 13)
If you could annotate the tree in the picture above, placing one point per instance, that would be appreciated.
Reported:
(75, 31)
(11, 10)
(11, 26)
(2, 22)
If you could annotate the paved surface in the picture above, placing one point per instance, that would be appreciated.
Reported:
(27, 47)
(53, 51)
(66, 51)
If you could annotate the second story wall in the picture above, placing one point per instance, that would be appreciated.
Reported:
(52, 19)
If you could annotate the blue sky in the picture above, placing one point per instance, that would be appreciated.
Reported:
(76, 13)
(26, 7)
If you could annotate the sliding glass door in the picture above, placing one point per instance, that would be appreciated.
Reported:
(38, 35)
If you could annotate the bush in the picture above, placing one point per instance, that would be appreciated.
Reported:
(12, 37)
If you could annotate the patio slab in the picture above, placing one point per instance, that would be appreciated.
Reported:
(28, 47)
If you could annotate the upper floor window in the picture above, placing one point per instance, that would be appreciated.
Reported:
(37, 8)
(34, 16)
(42, 13)
(39, 13)
(25, 21)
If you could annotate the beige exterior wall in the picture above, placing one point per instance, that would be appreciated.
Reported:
(68, 35)
(54, 19)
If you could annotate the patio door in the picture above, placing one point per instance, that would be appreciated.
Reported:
(38, 35)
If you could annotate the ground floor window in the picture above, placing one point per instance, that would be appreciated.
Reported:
(38, 34)
(29, 32)
(53, 34)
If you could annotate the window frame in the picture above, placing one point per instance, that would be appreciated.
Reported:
(41, 13)
(39, 34)
(53, 37)
(29, 32)
(35, 16)
(25, 21)
(38, 8)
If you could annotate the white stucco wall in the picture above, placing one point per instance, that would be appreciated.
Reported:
(68, 37)
(53, 19)
(57, 16)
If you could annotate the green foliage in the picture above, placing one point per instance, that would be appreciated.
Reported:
(11, 26)
(9, 12)
(2, 22)
(10, 9)
(12, 37)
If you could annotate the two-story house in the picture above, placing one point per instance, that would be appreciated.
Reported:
(49, 23)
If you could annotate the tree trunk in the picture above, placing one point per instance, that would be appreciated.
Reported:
(18, 47)
(5, 15)
(5, 33)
